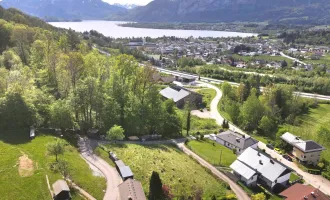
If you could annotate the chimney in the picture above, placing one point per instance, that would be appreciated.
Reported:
(260, 162)
(259, 154)
(272, 161)
(313, 194)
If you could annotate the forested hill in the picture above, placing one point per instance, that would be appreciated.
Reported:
(280, 11)
(53, 78)
(14, 15)
(65, 9)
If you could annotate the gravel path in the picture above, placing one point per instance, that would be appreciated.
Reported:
(110, 173)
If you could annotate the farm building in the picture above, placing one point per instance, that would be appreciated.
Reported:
(181, 95)
(124, 171)
(61, 190)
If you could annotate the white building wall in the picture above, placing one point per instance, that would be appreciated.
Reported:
(283, 179)
(220, 141)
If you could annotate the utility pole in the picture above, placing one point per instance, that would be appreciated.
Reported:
(220, 157)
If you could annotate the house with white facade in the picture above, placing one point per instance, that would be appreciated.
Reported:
(233, 140)
(253, 167)
(307, 152)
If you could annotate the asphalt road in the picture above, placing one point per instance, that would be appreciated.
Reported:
(210, 80)
(110, 173)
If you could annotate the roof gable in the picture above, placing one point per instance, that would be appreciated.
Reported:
(305, 146)
(236, 139)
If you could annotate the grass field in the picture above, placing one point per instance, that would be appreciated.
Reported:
(310, 123)
(263, 57)
(33, 186)
(210, 151)
(178, 171)
(208, 96)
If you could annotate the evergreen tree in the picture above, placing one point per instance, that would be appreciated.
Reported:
(155, 187)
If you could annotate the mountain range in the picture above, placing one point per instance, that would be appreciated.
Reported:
(284, 11)
(276, 11)
(66, 9)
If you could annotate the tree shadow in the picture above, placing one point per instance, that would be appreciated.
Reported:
(15, 137)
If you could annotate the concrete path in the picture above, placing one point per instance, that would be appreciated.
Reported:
(110, 173)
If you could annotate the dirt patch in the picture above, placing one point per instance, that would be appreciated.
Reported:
(25, 166)
(204, 115)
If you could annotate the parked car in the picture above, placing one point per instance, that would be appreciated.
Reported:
(287, 157)
(278, 151)
(270, 146)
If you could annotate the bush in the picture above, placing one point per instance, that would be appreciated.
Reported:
(314, 171)
(234, 151)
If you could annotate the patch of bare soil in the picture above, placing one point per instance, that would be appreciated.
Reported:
(25, 166)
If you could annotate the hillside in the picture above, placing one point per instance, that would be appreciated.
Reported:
(65, 9)
(283, 11)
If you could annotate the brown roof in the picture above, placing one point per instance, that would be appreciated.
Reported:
(60, 186)
(131, 189)
(303, 192)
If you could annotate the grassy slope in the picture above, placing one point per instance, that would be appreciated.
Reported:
(211, 153)
(208, 96)
(12, 186)
(310, 124)
(176, 170)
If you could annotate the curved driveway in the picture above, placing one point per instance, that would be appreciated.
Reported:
(110, 173)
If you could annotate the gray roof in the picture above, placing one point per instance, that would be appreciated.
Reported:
(260, 163)
(243, 169)
(60, 186)
(305, 146)
(125, 172)
(236, 139)
(175, 95)
(120, 163)
(131, 189)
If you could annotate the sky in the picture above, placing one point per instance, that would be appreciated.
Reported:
(137, 2)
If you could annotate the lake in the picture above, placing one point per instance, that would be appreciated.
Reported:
(111, 29)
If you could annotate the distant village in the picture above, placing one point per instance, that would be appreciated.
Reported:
(252, 53)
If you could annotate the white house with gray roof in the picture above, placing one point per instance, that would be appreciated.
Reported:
(233, 140)
(253, 167)
(307, 152)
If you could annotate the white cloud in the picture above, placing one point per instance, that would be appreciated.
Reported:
(137, 2)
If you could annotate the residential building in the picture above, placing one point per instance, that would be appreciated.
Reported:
(253, 167)
(181, 95)
(131, 190)
(233, 140)
(307, 152)
(303, 192)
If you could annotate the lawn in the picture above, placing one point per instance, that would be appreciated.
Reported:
(33, 186)
(294, 177)
(178, 171)
(310, 123)
(208, 96)
(211, 151)
(203, 126)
